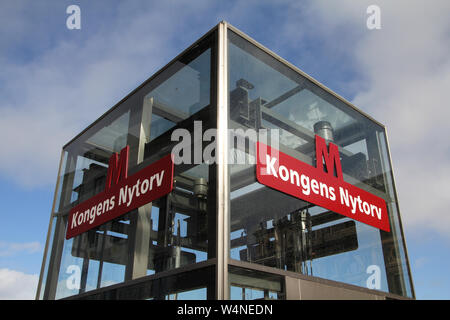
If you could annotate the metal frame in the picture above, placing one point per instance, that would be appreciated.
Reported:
(50, 225)
(219, 101)
(223, 186)
(388, 149)
(56, 249)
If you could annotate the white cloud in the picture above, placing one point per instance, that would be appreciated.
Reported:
(51, 97)
(12, 248)
(406, 67)
(15, 285)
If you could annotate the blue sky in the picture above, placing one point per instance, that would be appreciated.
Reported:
(54, 82)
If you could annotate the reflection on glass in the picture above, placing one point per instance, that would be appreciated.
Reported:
(243, 293)
(179, 223)
(271, 228)
(70, 274)
(112, 273)
(252, 285)
(95, 258)
(196, 294)
(159, 125)
(184, 90)
(47, 255)
(187, 90)
(196, 284)
(168, 233)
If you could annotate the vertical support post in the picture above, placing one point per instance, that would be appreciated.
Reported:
(223, 190)
(140, 227)
(58, 242)
(49, 233)
(399, 286)
(389, 241)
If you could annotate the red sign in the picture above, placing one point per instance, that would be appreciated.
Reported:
(122, 193)
(326, 189)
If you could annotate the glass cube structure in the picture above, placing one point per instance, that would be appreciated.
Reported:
(221, 234)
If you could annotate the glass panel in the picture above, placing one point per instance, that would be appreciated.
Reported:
(61, 174)
(179, 223)
(274, 229)
(70, 273)
(90, 159)
(159, 125)
(86, 259)
(394, 242)
(47, 259)
(196, 284)
(196, 294)
(176, 227)
(114, 251)
(180, 90)
(254, 285)
(187, 90)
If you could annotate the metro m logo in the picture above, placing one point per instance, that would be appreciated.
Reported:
(118, 168)
(331, 156)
